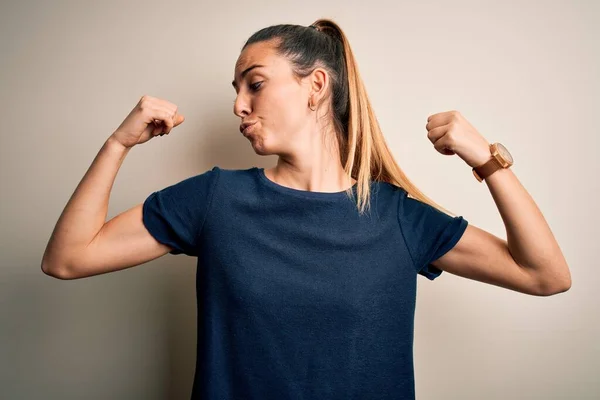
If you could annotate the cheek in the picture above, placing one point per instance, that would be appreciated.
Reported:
(283, 108)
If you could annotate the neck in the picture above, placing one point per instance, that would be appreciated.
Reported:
(319, 172)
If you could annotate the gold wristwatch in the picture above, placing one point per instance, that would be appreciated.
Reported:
(501, 158)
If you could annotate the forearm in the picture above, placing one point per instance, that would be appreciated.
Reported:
(530, 240)
(85, 212)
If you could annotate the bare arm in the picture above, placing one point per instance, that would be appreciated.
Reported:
(81, 243)
(530, 261)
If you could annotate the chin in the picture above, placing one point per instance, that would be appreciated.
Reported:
(261, 145)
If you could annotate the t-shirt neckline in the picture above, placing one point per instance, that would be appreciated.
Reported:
(305, 193)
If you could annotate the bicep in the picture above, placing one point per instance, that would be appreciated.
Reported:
(484, 257)
(123, 242)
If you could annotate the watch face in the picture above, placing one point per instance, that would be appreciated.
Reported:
(504, 153)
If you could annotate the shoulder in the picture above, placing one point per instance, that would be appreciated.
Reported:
(217, 173)
(235, 177)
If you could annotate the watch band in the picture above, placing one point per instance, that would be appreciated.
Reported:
(485, 170)
(496, 162)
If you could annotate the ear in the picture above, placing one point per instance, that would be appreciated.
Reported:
(319, 81)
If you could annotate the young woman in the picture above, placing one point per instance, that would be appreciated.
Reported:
(306, 278)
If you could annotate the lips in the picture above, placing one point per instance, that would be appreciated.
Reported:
(245, 125)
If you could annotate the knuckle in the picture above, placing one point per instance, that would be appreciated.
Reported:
(145, 102)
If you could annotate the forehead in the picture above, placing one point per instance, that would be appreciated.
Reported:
(262, 53)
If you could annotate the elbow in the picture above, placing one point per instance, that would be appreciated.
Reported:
(57, 271)
(557, 290)
(58, 265)
(567, 284)
(564, 287)
(556, 286)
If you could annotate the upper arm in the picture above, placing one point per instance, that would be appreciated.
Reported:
(168, 221)
(123, 242)
(483, 257)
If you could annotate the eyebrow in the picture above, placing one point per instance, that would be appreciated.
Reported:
(244, 72)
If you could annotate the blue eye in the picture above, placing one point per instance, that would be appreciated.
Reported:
(255, 86)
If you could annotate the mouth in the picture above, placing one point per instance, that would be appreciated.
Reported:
(247, 127)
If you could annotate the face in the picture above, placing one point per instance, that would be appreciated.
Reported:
(271, 98)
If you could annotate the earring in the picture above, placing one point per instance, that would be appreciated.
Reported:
(310, 105)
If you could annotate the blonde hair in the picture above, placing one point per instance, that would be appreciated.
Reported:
(367, 155)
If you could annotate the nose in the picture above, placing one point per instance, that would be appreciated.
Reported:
(241, 106)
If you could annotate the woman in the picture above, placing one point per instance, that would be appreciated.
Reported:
(307, 271)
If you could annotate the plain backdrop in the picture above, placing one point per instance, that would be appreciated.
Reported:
(523, 73)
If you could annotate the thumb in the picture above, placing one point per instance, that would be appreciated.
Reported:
(178, 119)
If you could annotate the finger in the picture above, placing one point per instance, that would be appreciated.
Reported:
(436, 133)
(167, 118)
(178, 119)
(442, 146)
(158, 127)
(162, 120)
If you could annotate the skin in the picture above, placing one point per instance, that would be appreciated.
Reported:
(278, 101)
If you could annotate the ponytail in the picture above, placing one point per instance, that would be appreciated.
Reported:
(368, 158)
(363, 150)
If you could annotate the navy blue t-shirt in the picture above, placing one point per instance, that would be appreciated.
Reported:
(298, 296)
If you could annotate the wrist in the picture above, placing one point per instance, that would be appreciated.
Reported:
(114, 143)
(499, 158)
(482, 157)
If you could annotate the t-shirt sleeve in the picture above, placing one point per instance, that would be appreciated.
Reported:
(175, 215)
(428, 232)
